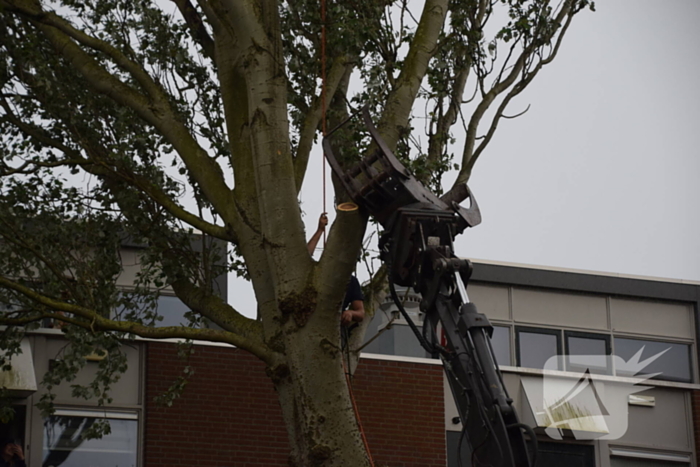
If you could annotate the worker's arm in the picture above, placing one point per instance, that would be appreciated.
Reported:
(313, 241)
(354, 314)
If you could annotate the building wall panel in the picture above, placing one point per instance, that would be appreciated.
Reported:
(125, 392)
(671, 411)
(651, 318)
(560, 309)
(491, 300)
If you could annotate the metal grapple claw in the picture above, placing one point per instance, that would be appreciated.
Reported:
(381, 184)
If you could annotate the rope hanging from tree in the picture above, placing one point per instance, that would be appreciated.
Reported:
(323, 100)
(324, 131)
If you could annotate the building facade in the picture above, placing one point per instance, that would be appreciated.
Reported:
(555, 332)
(572, 346)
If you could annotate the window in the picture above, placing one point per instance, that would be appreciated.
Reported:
(170, 308)
(587, 351)
(670, 360)
(14, 429)
(535, 347)
(500, 341)
(65, 444)
(565, 454)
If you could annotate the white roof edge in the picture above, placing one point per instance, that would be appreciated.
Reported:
(167, 340)
(399, 358)
(176, 340)
(583, 271)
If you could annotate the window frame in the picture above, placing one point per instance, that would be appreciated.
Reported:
(134, 415)
(589, 335)
(511, 340)
(536, 330)
(661, 340)
(167, 294)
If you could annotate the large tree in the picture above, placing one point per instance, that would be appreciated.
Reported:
(144, 122)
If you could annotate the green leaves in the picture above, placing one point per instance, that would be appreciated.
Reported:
(101, 148)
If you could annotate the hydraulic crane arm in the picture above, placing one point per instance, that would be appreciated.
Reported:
(417, 247)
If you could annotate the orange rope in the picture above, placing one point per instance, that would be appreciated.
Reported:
(323, 99)
(357, 413)
(323, 131)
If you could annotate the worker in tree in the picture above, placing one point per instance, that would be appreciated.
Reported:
(353, 309)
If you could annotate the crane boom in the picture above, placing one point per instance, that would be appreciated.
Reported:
(418, 249)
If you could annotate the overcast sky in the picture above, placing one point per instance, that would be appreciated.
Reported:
(602, 172)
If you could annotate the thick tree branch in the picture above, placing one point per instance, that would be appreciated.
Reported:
(196, 26)
(242, 17)
(211, 15)
(96, 322)
(214, 308)
(344, 242)
(165, 201)
(339, 68)
(438, 140)
(400, 102)
(264, 175)
(28, 319)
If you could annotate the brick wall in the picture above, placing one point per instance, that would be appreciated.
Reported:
(230, 416)
(228, 411)
(402, 410)
(695, 396)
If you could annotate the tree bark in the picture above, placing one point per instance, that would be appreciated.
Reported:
(315, 402)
